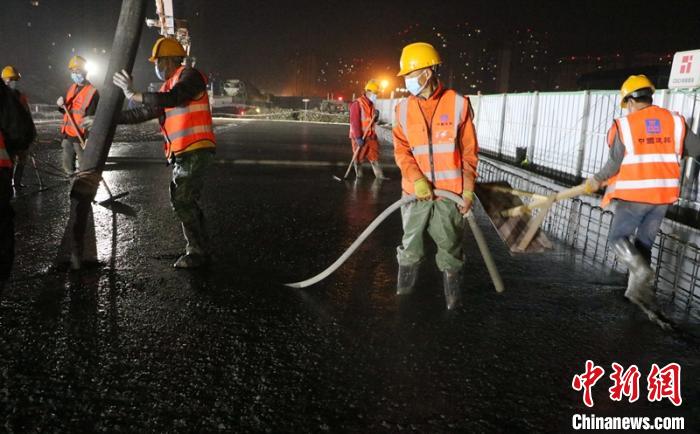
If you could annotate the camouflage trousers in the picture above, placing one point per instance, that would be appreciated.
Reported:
(186, 187)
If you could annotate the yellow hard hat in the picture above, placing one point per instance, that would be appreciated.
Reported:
(167, 47)
(77, 62)
(372, 86)
(10, 73)
(417, 56)
(636, 86)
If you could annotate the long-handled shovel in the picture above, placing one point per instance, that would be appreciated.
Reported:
(347, 172)
(75, 126)
(357, 151)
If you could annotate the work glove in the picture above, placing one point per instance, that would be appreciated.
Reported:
(123, 81)
(423, 189)
(468, 197)
(87, 122)
(591, 185)
(60, 101)
(360, 142)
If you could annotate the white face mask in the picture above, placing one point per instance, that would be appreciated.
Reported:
(12, 84)
(413, 84)
(372, 97)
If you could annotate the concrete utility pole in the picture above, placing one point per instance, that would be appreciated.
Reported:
(84, 188)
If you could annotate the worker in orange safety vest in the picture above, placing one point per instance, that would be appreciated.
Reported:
(182, 106)
(363, 119)
(81, 100)
(435, 146)
(643, 179)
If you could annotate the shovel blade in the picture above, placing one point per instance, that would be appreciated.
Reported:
(495, 198)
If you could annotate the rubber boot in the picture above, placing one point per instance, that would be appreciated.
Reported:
(190, 260)
(452, 283)
(406, 280)
(639, 289)
(377, 170)
(358, 170)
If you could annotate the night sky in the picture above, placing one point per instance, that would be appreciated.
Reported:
(265, 41)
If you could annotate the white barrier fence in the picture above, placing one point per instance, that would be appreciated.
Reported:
(562, 132)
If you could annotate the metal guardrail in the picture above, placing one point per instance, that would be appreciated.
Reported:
(563, 134)
(584, 227)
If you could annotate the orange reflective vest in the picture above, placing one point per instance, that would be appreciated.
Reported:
(434, 142)
(188, 124)
(650, 171)
(5, 160)
(366, 118)
(76, 103)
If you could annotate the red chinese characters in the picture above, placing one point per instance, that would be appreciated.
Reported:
(587, 380)
(625, 383)
(662, 383)
(665, 383)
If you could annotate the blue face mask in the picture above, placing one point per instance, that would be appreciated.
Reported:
(77, 77)
(413, 84)
(159, 73)
(372, 97)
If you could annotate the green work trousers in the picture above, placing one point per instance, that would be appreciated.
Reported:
(445, 225)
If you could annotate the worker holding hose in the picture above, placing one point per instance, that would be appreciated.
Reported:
(642, 173)
(435, 147)
(363, 118)
(182, 107)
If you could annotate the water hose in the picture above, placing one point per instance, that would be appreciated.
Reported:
(478, 236)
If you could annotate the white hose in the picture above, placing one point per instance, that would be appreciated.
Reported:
(478, 235)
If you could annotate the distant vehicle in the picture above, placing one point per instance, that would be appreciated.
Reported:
(333, 106)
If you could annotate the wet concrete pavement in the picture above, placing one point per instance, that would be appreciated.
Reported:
(134, 346)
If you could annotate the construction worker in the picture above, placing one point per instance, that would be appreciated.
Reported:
(16, 130)
(11, 77)
(182, 105)
(80, 101)
(435, 146)
(363, 118)
(7, 229)
(642, 175)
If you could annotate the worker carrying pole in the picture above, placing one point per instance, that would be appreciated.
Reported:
(642, 174)
(182, 106)
(363, 119)
(435, 147)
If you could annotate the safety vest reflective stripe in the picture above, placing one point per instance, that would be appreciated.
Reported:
(626, 133)
(192, 108)
(77, 104)
(444, 175)
(437, 149)
(199, 129)
(646, 183)
(186, 125)
(5, 160)
(650, 158)
(678, 133)
(650, 169)
(403, 114)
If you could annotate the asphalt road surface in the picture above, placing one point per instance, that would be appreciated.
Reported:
(135, 346)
